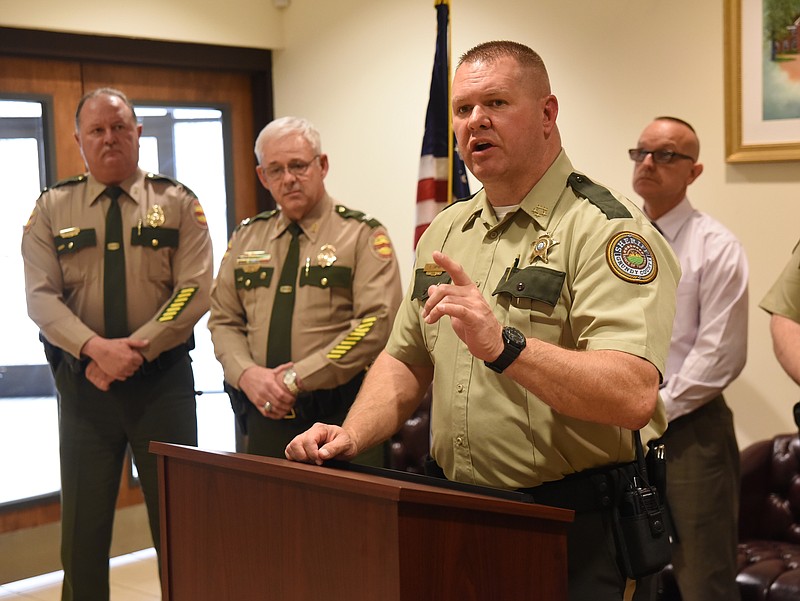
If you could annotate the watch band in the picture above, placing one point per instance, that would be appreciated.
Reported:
(513, 343)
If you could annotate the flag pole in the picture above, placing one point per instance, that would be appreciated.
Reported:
(449, 110)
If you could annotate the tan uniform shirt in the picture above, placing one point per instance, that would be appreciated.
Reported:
(168, 265)
(581, 274)
(345, 302)
(784, 296)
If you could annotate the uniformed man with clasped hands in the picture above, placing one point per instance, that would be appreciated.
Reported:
(118, 269)
(304, 298)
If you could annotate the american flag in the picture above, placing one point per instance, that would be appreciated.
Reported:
(442, 175)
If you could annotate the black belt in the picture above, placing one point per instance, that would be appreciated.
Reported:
(316, 405)
(590, 490)
(164, 361)
(56, 355)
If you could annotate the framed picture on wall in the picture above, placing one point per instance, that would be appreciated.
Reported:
(762, 80)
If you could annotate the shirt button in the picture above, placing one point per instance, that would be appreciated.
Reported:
(459, 441)
(493, 235)
(460, 388)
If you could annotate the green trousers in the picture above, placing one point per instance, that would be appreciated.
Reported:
(95, 428)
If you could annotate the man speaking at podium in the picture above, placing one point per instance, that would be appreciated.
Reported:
(541, 310)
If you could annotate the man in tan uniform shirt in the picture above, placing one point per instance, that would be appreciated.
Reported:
(782, 302)
(346, 289)
(557, 297)
(134, 386)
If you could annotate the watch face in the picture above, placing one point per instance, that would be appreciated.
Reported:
(289, 377)
(514, 336)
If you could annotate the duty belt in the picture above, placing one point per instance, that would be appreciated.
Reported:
(589, 490)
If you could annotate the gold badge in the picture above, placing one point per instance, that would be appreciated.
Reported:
(155, 216)
(432, 269)
(326, 256)
(541, 247)
(69, 232)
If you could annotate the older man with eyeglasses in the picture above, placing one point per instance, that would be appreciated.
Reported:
(304, 298)
(707, 352)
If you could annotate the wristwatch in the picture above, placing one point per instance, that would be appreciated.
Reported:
(513, 343)
(290, 381)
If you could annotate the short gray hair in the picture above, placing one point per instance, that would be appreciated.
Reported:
(284, 126)
(101, 92)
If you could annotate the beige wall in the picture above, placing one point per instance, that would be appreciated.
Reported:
(360, 70)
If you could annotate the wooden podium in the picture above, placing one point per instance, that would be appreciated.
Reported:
(244, 528)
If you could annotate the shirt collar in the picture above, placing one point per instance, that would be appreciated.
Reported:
(539, 203)
(133, 186)
(311, 223)
(671, 222)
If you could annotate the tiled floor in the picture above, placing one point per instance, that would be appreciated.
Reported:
(134, 577)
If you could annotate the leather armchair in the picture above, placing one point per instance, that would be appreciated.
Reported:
(409, 447)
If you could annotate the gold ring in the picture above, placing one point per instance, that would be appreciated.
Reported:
(267, 406)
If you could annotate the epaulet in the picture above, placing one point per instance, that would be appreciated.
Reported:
(261, 216)
(75, 179)
(159, 177)
(599, 196)
(346, 213)
(466, 198)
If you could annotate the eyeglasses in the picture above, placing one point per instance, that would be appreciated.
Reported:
(296, 168)
(659, 156)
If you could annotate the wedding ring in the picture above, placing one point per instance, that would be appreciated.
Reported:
(267, 406)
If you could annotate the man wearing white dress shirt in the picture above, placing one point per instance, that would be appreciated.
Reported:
(707, 352)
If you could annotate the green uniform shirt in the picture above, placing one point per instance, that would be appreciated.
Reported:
(784, 296)
(581, 274)
(168, 261)
(345, 302)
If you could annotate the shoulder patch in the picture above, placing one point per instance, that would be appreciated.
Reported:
(631, 259)
(380, 244)
(346, 213)
(598, 196)
(165, 178)
(75, 179)
(31, 220)
(199, 214)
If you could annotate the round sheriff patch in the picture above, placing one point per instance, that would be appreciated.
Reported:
(631, 259)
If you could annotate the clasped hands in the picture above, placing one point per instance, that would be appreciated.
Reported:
(265, 388)
(473, 322)
(112, 359)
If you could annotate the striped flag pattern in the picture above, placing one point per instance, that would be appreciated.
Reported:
(442, 175)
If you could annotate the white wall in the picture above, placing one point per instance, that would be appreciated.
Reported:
(360, 70)
(248, 23)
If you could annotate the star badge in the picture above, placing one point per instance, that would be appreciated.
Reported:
(541, 247)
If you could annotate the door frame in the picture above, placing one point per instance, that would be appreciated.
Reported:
(32, 43)
(133, 52)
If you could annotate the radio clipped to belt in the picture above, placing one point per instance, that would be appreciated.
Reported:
(640, 518)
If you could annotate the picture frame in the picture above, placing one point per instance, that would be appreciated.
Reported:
(749, 136)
